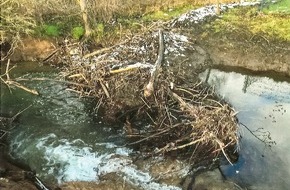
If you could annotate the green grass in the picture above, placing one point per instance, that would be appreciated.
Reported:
(167, 14)
(253, 22)
(281, 6)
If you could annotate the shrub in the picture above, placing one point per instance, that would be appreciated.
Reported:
(51, 30)
(77, 32)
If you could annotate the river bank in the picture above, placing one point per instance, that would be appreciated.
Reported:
(232, 54)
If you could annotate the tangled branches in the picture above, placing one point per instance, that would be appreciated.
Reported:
(179, 116)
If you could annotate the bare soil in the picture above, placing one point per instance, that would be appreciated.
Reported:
(244, 50)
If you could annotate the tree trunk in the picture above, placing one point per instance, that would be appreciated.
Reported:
(83, 5)
(218, 10)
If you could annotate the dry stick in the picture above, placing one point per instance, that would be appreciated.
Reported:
(100, 51)
(130, 67)
(20, 112)
(221, 145)
(53, 80)
(50, 55)
(7, 70)
(149, 89)
(10, 120)
(9, 82)
(105, 89)
(22, 87)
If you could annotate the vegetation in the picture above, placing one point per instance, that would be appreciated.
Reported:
(15, 20)
(252, 21)
(111, 20)
(59, 17)
(78, 32)
(280, 7)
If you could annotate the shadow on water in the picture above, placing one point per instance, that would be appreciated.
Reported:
(263, 106)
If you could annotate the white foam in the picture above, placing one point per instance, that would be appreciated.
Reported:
(198, 15)
(85, 164)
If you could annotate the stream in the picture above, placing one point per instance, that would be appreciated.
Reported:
(263, 106)
(61, 139)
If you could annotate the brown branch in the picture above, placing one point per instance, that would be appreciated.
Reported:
(9, 82)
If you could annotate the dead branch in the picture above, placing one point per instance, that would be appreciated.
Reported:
(130, 67)
(103, 50)
(149, 89)
(185, 117)
(9, 82)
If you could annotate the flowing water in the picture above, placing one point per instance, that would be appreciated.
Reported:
(263, 106)
(60, 137)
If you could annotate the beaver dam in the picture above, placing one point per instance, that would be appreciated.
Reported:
(149, 84)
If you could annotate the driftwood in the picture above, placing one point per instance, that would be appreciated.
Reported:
(9, 82)
(149, 89)
(36, 181)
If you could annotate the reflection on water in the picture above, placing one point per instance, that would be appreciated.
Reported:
(263, 106)
(60, 139)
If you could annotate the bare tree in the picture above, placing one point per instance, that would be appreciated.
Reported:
(84, 10)
(218, 10)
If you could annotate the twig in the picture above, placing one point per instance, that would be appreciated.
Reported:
(105, 89)
(22, 87)
(100, 51)
(13, 118)
(221, 145)
(9, 82)
(130, 67)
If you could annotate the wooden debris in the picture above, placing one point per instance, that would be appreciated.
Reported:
(180, 116)
(149, 89)
(9, 82)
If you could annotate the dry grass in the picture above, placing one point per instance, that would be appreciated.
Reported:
(101, 9)
(21, 16)
(14, 19)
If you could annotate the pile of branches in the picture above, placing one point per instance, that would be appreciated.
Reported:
(162, 112)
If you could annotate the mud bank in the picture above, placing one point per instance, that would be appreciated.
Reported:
(255, 54)
(28, 49)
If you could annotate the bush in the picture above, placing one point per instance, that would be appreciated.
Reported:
(51, 30)
(77, 32)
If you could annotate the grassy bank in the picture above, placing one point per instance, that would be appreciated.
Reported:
(270, 22)
(62, 18)
(111, 20)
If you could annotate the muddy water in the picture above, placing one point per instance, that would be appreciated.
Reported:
(263, 106)
(60, 137)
